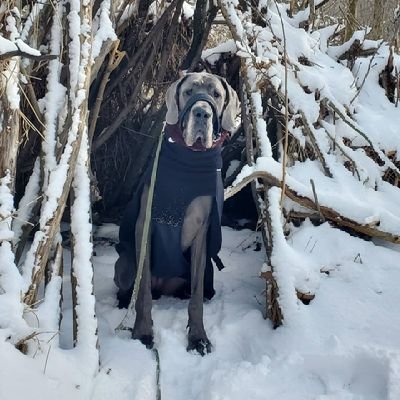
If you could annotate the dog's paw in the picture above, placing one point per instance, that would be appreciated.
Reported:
(202, 346)
(146, 340)
(124, 299)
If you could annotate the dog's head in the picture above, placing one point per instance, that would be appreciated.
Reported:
(202, 104)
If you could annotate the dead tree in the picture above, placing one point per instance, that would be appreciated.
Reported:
(378, 18)
(351, 18)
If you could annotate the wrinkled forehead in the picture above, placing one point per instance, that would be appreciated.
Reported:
(202, 83)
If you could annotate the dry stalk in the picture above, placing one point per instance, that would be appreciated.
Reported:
(316, 200)
(344, 152)
(398, 87)
(22, 345)
(31, 98)
(114, 60)
(317, 150)
(379, 152)
(312, 14)
(47, 359)
(285, 149)
(109, 131)
(367, 73)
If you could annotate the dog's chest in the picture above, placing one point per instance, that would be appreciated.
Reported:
(182, 176)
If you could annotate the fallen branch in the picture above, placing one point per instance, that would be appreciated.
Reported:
(329, 214)
(20, 53)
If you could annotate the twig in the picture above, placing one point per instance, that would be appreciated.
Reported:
(123, 7)
(315, 145)
(285, 149)
(22, 341)
(114, 60)
(367, 73)
(397, 86)
(109, 131)
(343, 151)
(47, 359)
(316, 200)
(321, 4)
(31, 97)
(350, 123)
(151, 38)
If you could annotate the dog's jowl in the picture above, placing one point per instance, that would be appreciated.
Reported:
(185, 231)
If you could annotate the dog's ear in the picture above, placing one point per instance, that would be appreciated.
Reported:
(171, 99)
(231, 108)
(171, 102)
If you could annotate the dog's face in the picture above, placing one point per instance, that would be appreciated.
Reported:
(197, 124)
(198, 121)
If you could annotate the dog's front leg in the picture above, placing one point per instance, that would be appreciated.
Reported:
(143, 328)
(197, 337)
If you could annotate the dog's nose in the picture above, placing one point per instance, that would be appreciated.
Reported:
(201, 114)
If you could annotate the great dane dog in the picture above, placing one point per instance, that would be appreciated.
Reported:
(187, 206)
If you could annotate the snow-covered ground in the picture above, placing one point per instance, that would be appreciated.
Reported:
(343, 346)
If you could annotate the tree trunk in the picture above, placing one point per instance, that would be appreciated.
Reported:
(377, 23)
(351, 19)
(10, 278)
(9, 110)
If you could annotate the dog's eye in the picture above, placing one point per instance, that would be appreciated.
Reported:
(188, 92)
(216, 94)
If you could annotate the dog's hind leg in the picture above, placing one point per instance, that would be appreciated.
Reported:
(143, 328)
(197, 217)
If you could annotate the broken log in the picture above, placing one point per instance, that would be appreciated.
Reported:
(329, 213)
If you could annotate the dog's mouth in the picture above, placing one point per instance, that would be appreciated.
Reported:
(198, 144)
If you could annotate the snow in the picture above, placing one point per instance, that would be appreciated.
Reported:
(54, 99)
(9, 76)
(26, 49)
(27, 202)
(12, 326)
(377, 116)
(79, 57)
(104, 29)
(337, 51)
(7, 46)
(32, 19)
(212, 55)
(336, 103)
(128, 12)
(344, 193)
(187, 10)
(343, 345)
(81, 228)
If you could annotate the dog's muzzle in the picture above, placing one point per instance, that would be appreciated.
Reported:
(189, 105)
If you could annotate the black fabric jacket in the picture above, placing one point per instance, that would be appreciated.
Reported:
(182, 175)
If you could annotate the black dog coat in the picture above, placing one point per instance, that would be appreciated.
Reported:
(182, 175)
